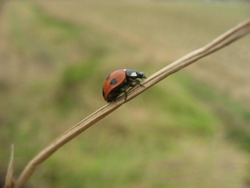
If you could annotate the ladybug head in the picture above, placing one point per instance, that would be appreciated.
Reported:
(134, 73)
(141, 74)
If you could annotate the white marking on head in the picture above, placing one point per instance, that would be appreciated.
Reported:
(133, 74)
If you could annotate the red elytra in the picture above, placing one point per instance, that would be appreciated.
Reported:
(115, 79)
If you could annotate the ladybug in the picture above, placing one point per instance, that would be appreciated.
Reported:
(119, 82)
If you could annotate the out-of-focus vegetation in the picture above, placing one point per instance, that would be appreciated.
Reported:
(191, 130)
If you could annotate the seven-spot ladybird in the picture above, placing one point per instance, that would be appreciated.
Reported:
(119, 82)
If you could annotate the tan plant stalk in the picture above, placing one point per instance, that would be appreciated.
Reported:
(220, 42)
(9, 182)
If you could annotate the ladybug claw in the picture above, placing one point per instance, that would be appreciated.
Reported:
(141, 84)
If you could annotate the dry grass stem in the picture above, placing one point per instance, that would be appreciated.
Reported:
(9, 182)
(220, 42)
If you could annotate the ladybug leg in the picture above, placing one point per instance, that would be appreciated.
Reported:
(139, 83)
(125, 94)
(135, 82)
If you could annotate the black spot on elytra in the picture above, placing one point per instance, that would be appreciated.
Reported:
(113, 81)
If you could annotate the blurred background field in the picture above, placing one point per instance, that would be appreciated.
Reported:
(191, 130)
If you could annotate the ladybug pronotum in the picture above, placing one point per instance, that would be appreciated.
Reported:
(119, 82)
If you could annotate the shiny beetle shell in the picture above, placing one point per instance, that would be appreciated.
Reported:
(119, 82)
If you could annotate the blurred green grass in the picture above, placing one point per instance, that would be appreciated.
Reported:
(191, 130)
